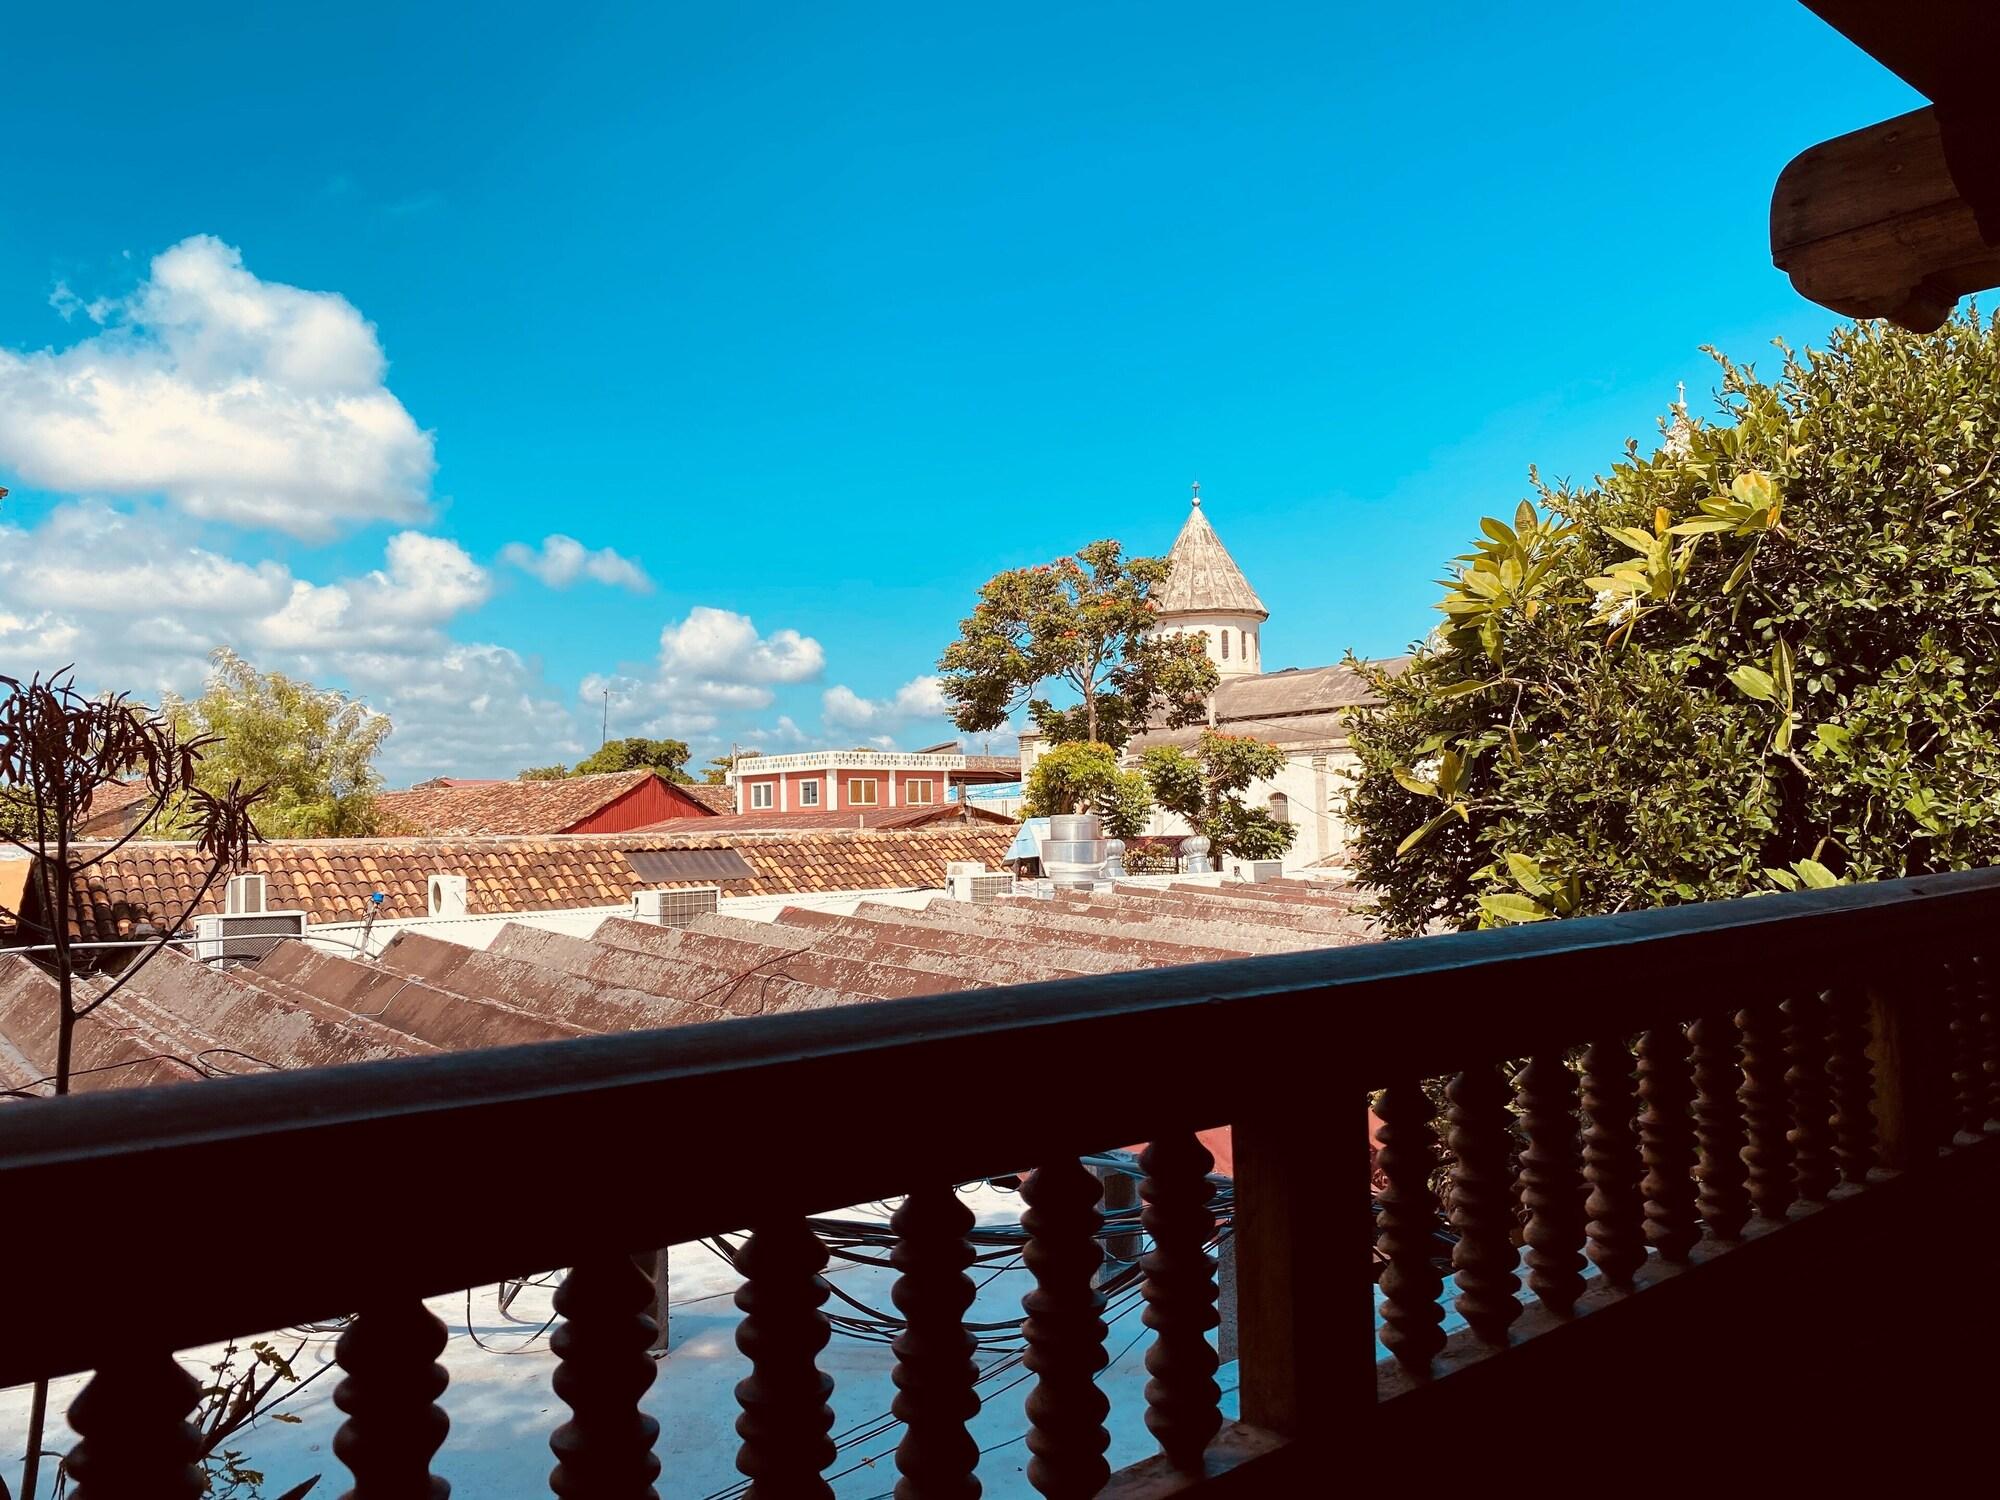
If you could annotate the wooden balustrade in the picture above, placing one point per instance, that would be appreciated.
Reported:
(1651, 1100)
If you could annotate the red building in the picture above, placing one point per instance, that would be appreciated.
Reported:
(615, 802)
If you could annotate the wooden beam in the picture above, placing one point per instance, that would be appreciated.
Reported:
(1942, 48)
(1873, 224)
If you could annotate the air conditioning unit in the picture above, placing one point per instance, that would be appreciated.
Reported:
(447, 895)
(676, 908)
(1255, 871)
(244, 937)
(244, 893)
(980, 887)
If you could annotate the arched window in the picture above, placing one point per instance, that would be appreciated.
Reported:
(1225, 645)
(1281, 807)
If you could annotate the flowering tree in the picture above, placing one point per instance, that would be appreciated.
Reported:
(1762, 655)
(1084, 622)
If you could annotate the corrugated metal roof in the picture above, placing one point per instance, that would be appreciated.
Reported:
(179, 1020)
(688, 864)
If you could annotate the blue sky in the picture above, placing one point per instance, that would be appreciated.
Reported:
(815, 316)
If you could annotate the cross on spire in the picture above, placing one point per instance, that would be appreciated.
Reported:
(1197, 492)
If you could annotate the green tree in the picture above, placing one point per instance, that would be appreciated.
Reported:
(1206, 789)
(312, 749)
(1084, 622)
(668, 757)
(716, 772)
(1761, 655)
(1081, 777)
(543, 773)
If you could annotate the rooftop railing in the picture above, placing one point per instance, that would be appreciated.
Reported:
(1639, 1100)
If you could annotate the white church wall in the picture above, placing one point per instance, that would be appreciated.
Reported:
(1314, 785)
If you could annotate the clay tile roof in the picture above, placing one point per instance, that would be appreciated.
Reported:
(1205, 579)
(718, 799)
(114, 807)
(332, 879)
(499, 807)
(810, 820)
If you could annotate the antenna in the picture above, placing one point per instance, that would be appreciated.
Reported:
(604, 737)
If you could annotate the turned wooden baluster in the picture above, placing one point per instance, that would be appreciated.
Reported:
(1406, 1226)
(1968, 1074)
(935, 1395)
(785, 1417)
(1719, 1170)
(1065, 1332)
(135, 1440)
(1853, 1076)
(1183, 1402)
(1552, 1181)
(1815, 1169)
(1667, 1142)
(394, 1424)
(1482, 1205)
(605, 1450)
(1767, 1114)
(1617, 1221)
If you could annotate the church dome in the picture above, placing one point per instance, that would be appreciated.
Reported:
(1205, 580)
(1206, 594)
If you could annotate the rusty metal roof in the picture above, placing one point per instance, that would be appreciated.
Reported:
(179, 1020)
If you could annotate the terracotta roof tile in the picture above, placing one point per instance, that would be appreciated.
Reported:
(332, 879)
(933, 815)
(720, 799)
(503, 807)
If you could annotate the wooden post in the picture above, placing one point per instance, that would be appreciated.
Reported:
(1121, 1190)
(1912, 1094)
(1289, 1345)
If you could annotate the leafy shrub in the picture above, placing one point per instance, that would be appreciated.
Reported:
(1766, 654)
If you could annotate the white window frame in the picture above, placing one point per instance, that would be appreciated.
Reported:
(808, 794)
(763, 796)
(855, 797)
(921, 792)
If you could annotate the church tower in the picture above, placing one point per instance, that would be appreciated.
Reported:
(1207, 592)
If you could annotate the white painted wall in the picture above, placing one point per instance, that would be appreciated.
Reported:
(1243, 630)
(1314, 793)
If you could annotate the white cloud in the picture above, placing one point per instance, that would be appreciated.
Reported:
(428, 580)
(712, 664)
(720, 646)
(471, 709)
(98, 588)
(919, 698)
(562, 560)
(235, 398)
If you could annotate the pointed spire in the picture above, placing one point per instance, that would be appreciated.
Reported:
(1205, 579)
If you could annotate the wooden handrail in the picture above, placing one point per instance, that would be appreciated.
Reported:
(381, 1165)
(857, 1103)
